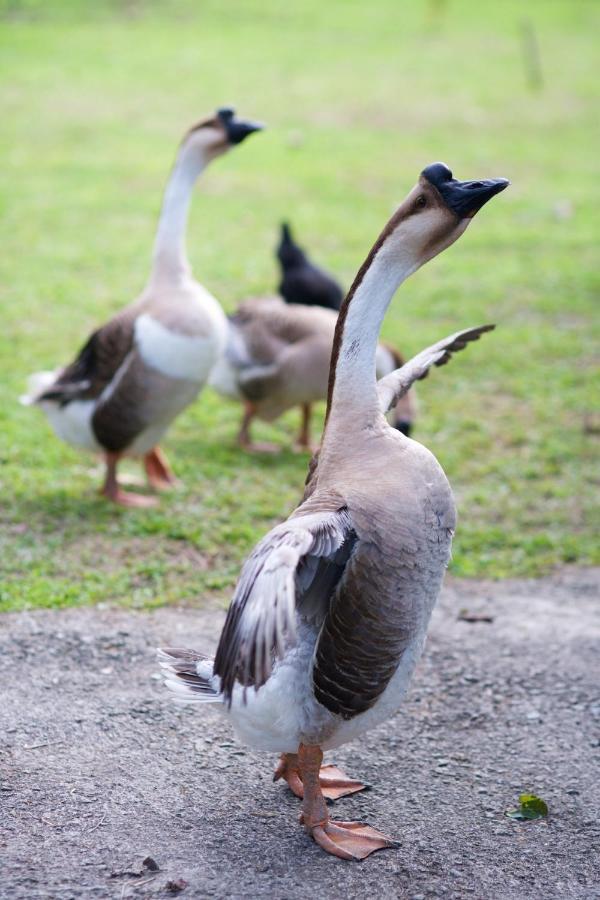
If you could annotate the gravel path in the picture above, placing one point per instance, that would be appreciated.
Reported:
(98, 770)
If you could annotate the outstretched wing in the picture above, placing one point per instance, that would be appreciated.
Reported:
(296, 566)
(96, 364)
(397, 383)
(392, 387)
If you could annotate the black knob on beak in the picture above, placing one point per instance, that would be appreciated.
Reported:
(236, 129)
(464, 198)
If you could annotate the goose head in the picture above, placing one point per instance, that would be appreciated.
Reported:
(217, 134)
(289, 253)
(435, 214)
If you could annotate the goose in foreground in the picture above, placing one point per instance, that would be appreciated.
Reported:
(330, 613)
(302, 281)
(137, 372)
(277, 357)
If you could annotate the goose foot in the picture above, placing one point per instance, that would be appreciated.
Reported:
(112, 490)
(347, 840)
(158, 472)
(302, 443)
(124, 498)
(260, 447)
(244, 439)
(333, 782)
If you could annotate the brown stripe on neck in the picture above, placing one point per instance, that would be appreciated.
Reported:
(338, 336)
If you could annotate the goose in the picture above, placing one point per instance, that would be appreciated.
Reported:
(330, 613)
(301, 281)
(137, 372)
(277, 357)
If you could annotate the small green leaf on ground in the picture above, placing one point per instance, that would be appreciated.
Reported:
(531, 807)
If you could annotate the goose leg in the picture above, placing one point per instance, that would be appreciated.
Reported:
(112, 490)
(303, 439)
(158, 471)
(348, 840)
(244, 439)
(334, 783)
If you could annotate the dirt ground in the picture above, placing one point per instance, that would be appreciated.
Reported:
(99, 769)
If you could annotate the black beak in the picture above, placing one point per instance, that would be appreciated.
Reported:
(464, 198)
(236, 129)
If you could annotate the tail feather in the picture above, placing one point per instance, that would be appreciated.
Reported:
(189, 675)
(37, 384)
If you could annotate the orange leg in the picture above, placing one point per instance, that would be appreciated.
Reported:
(334, 783)
(244, 439)
(303, 440)
(348, 840)
(112, 490)
(158, 472)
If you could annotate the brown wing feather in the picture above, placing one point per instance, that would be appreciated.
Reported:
(298, 561)
(364, 635)
(120, 417)
(97, 362)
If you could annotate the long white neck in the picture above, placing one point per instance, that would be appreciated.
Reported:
(170, 257)
(353, 384)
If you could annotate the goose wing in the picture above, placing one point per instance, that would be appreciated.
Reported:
(250, 353)
(255, 338)
(96, 363)
(295, 567)
(397, 383)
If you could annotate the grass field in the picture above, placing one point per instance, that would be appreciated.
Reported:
(358, 98)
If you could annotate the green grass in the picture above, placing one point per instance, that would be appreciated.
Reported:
(358, 97)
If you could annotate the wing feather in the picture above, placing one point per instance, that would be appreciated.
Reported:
(284, 568)
(96, 363)
(398, 382)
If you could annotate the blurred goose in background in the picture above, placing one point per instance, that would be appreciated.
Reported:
(301, 281)
(277, 357)
(329, 615)
(137, 372)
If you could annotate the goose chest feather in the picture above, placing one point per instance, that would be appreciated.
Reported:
(330, 612)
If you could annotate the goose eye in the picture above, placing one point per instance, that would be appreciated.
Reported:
(421, 201)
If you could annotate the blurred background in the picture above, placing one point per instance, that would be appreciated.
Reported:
(358, 98)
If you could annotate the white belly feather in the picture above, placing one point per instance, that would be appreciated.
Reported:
(72, 422)
(285, 713)
(177, 355)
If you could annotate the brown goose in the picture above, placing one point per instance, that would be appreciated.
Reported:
(139, 371)
(277, 357)
(330, 613)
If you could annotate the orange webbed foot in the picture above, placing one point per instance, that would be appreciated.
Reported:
(346, 840)
(158, 472)
(350, 840)
(129, 500)
(260, 447)
(333, 782)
